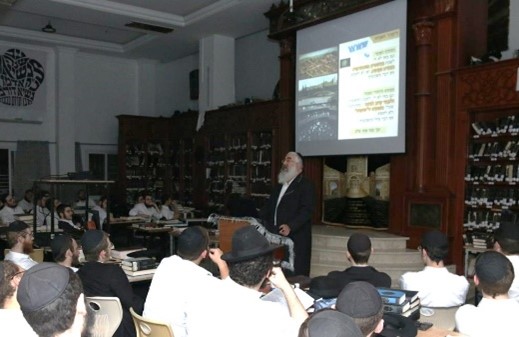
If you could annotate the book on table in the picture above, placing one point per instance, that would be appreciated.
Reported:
(138, 263)
(391, 296)
(401, 308)
(139, 272)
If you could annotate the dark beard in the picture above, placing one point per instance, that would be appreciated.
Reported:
(27, 248)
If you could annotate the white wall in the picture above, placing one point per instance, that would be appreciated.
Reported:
(257, 66)
(105, 87)
(256, 74)
(172, 89)
(513, 30)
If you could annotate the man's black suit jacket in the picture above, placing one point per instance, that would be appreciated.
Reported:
(295, 209)
(107, 279)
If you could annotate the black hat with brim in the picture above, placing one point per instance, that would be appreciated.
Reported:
(248, 243)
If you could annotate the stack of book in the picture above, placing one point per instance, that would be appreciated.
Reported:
(135, 266)
(403, 302)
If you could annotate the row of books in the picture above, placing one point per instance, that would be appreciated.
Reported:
(494, 150)
(508, 124)
(403, 302)
(492, 173)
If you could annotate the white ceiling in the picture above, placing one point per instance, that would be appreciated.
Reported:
(99, 25)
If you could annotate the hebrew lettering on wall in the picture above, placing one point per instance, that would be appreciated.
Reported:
(20, 78)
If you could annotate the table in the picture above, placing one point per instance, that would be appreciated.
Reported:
(437, 332)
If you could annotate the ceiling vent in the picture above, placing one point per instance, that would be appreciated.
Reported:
(145, 26)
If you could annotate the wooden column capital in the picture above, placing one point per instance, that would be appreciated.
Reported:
(423, 32)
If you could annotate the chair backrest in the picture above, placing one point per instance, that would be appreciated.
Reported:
(108, 315)
(150, 328)
(36, 255)
(443, 318)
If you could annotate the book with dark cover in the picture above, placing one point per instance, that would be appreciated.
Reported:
(139, 263)
(391, 296)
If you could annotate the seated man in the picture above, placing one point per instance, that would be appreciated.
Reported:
(20, 239)
(42, 212)
(11, 318)
(147, 208)
(359, 251)
(436, 286)
(10, 209)
(507, 242)
(65, 251)
(101, 207)
(66, 222)
(234, 308)
(496, 313)
(52, 301)
(107, 279)
(26, 203)
(179, 276)
(362, 302)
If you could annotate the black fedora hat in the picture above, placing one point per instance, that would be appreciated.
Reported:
(248, 243)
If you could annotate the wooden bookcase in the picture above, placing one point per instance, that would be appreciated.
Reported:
(238, 148)
(244, 147)
(156, 154)
(486, 119)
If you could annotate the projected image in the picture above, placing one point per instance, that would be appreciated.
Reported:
(317, 108)
(350, 83)
(319, 63)
(368, 107)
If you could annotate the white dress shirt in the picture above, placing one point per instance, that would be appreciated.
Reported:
(166, 212)
(102, 214)
(22, 260)
(437, 287)
(7, 214)
(514, 289)
(284, 189)
(173, 284)
(490, 318)
(232, 310)
(14, 324)
(27, 206)
(140, 209)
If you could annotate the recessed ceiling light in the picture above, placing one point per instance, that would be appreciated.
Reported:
(48, 28)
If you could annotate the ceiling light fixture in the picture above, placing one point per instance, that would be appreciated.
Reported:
(48, 28)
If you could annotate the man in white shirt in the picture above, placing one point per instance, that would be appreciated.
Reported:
(496, 313)
(11, 318)
(41, 208)
(10, 209)
(65, 251)
(146, 209)
(507, 242)
(436, 286)
(20, 239)
(235, 307)
(178, 277)
(26, 203)
(100, 207)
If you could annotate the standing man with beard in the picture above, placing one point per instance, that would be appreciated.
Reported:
(288, 211)
(20, 239)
